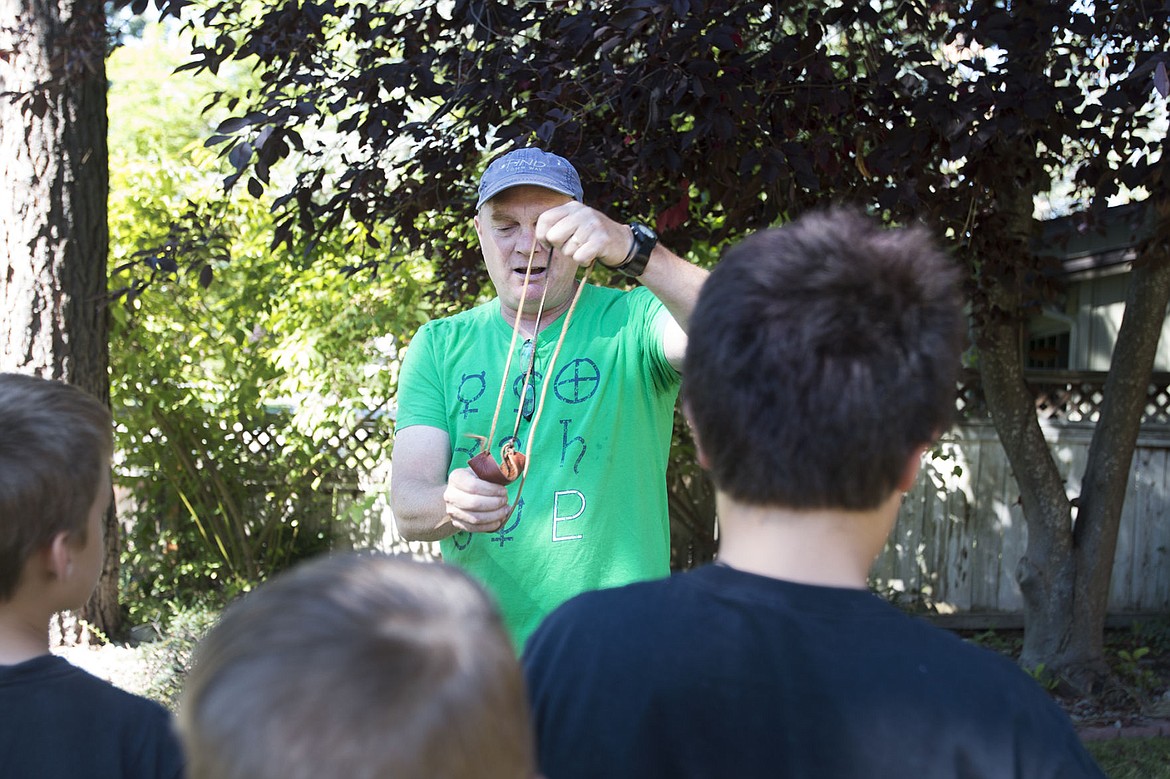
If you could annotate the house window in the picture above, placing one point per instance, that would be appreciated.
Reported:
(1047, 351)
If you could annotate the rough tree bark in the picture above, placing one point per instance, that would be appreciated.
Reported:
(53, 230)
(1047, 571)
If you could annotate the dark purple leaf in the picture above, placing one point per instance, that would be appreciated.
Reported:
(232, 125)
(240, 155)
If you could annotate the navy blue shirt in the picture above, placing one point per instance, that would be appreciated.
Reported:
(722, 673)
(60, 722)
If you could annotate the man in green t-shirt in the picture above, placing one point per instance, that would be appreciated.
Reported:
(595, 422)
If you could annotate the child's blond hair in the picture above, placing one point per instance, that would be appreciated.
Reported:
(358, 666)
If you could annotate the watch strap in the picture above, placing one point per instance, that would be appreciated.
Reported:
(643, 241)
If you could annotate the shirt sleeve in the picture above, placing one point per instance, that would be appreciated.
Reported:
(420, 391)
(654, 317)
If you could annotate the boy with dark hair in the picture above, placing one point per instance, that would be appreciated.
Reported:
(57, 720)
(358, 666)
(821, 365)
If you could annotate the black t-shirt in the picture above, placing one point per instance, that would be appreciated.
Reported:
(57, 721)
(721, 673)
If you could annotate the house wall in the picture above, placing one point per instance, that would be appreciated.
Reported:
(1094, 307)
(961, 532)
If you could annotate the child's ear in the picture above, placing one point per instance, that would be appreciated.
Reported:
(59, 556)
(701, 455)
(910, 470)
(704, 463)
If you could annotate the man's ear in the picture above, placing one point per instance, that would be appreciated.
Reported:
(911, 468)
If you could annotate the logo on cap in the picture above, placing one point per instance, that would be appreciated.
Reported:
(529, 166)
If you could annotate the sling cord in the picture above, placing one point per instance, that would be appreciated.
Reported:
(512, 348)
(531, 365)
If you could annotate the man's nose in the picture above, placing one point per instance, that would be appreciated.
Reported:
(527, 240)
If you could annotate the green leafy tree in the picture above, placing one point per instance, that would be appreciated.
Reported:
(716, 118)
(250, 387)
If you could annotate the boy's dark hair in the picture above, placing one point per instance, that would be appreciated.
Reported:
(362, 666)
(55, 448)
(820, 356)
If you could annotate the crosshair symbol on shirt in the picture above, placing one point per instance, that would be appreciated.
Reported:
(578, 381)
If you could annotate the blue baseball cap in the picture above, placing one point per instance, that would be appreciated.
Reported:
(529, 166)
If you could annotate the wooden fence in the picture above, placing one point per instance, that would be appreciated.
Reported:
(961, 531)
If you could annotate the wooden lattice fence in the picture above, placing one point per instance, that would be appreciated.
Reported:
(1067, 396)
(961, 532)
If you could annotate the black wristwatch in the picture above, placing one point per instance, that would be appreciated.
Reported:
(644, 242)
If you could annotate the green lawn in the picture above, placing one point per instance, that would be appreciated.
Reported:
(1135, 758)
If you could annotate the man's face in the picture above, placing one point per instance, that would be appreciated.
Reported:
(506, 226)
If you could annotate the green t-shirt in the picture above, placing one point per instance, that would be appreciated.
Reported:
(593, 511)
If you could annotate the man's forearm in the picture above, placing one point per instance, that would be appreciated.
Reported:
(420, 513)
(675, 282)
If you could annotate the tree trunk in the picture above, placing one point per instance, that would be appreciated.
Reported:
(1066, 568)
(1107, 469)
(1065, 572)
(1115, 436)
(53, 230)
(1047, 571)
